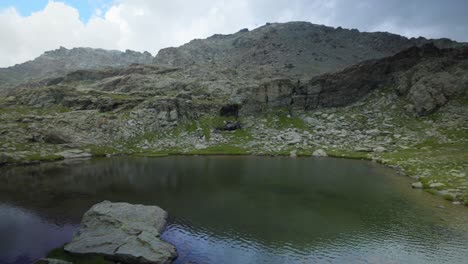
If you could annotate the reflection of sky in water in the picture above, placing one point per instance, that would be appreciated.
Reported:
(26, 236)
(199, 245)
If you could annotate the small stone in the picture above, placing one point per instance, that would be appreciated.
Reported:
(417, 185)
(74, 154)
(200, 146)
(436, 185)
(380, 149)
(319, 153)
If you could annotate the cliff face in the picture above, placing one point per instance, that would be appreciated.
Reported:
(61, 61)
(427, 77)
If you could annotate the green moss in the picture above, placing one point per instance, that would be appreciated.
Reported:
(103, 150)
(282, 119)
(431, 191)
(61, 254)
(151, 154)
(339, 153)
(38, 157)
(449, 197)
(120, 96)
(21, 110)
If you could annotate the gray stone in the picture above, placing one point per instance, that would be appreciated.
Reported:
(123, 232)
(74, 154)
(319, 153)
(417, 185)
(293, 154)
(380, 149)
(436, 185)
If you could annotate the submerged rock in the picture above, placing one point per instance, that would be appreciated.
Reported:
(52, 261)
(124, 233)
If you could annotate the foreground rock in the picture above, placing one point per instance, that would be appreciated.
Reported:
(123, 233)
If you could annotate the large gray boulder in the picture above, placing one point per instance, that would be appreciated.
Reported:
(123, 233)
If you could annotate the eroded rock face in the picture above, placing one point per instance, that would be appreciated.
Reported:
(123, 232)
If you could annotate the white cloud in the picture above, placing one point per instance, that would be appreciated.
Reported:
(149, 25)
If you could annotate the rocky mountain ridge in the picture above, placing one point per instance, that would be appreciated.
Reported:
(295, 49)
(61, 61)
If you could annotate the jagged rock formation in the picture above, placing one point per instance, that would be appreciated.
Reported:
(61, 61)
(295, 49)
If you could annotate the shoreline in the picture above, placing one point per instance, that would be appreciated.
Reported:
(398, 169)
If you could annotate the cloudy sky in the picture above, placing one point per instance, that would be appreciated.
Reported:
(28, 28)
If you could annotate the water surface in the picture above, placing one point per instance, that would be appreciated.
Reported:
(240, 209)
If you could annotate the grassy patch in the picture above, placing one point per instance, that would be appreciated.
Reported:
(449, 197)
(220, 150)
(103, 150)
(281, 119)
(339, 153)
(38, 157)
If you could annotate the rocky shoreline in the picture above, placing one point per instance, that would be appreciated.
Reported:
(428, 153)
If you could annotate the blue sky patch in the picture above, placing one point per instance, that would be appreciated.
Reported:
(86, 8)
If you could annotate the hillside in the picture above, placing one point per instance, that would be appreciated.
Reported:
(61, 61)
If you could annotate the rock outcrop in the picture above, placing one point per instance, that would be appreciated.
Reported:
(123, 233)
(427, 77)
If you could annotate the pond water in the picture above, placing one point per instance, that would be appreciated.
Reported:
(240, 209)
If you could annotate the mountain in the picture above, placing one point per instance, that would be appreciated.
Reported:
(282, 89)
(61, 61)
(296, 49)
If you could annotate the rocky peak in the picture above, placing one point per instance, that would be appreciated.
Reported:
(294, 49)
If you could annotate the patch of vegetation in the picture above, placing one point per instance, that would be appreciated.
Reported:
(220, 150)
(43, 158)
(339, 153)
(282, 119)
(449, 197)
(61, 254)
(21, 110)
(103, 150)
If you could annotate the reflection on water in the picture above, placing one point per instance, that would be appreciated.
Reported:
(25, 236)
(239, 209)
